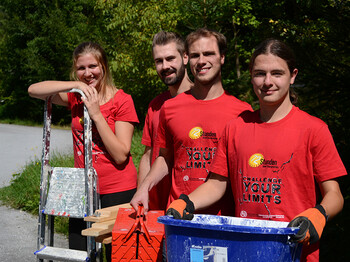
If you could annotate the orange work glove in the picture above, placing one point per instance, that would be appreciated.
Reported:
(181, 208)
(311, 223)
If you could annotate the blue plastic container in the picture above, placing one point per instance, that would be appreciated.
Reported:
(218, 238)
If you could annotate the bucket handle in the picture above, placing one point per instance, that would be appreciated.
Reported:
(139, 226)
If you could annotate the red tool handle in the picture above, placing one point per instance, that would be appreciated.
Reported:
(143, 226)
(138, 225)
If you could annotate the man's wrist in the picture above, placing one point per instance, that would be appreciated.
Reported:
(322, 211)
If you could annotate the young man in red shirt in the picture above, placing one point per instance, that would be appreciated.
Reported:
(191, 123)
(282, 162)
(170, 60)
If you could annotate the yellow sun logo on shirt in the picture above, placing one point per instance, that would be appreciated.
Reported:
(256, 160)
(195, 132)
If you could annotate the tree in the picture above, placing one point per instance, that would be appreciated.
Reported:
(131, 26)
(38, 40)
(233, 18)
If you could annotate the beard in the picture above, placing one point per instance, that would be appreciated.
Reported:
(179, 75)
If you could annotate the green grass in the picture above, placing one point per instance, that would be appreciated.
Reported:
(24, 190)
(137, 148)
(23, 122)
(28, 122)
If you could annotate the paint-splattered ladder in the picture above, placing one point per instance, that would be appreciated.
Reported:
(69, 192)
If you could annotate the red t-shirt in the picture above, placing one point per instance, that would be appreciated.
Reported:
(112, 177)
(158, 196)
(273, 166)
(191, 129)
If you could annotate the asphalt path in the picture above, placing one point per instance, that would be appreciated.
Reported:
(18, 146)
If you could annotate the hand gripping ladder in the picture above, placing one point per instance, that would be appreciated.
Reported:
(70, 192)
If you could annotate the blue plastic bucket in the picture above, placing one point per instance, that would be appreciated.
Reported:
(218, 238)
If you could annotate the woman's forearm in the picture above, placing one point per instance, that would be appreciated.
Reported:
(42, 90)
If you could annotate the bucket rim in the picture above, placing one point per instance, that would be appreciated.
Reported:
(169, 220)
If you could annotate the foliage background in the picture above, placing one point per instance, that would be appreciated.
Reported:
(38, 37)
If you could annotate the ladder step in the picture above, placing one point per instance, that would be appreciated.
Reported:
(62, 254)
(66, 195)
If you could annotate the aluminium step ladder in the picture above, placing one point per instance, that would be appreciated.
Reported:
(70, 192)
